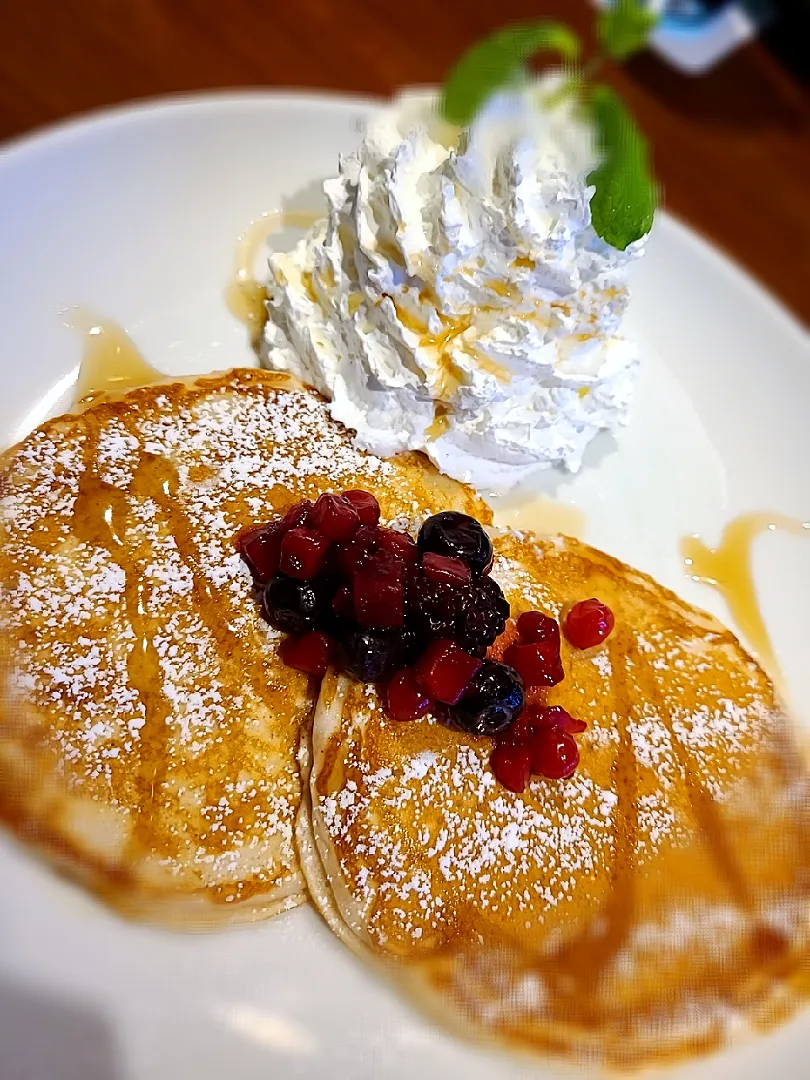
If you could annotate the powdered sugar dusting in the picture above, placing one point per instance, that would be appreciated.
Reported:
(237, 457)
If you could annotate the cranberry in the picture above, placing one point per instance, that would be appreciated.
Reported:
(445, 570)
(261, 550)
(535, 718)
(334, 517)
(554, 753)
(554, 716)
(366, 506)
(511, 765)
(588, 623)
(297, 517)
(398, 544)
(302, 554)
(311, 653)
(378, 590)
(445, 671)
(537, 665)
(534, 626)
(404, 698)
(521, 730)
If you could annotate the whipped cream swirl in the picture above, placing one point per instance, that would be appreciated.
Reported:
(456, 299)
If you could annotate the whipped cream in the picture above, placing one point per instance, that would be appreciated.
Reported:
(456, 299)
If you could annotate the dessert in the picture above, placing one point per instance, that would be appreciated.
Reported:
(641, 898)
(148, 724)
(457, 299)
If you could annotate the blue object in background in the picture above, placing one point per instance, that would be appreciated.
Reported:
(695, 35)
(692, 11)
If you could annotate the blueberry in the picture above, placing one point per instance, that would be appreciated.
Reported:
(372, 655)
(293, 606)
(459, 536)
(492, 701)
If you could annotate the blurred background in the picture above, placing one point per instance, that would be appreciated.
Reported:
(731, 145)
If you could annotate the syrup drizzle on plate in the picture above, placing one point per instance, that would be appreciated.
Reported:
(539, 514)
(245, 295)
(111, 363)
(728, 569)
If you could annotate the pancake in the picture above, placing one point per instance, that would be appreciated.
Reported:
(148, 731)
(644, 909)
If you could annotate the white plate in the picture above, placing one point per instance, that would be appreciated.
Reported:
(135, 214)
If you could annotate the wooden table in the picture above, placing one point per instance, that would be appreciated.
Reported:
(732, 149)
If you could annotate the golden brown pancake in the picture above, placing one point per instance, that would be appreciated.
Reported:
(644, 909)
(148, 729)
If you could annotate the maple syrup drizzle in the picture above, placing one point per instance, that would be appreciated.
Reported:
(111, 363)
(728, 569)
(245, 295)
(539, 514)
(101, 516)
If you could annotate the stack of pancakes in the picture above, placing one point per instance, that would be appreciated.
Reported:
(153, 744)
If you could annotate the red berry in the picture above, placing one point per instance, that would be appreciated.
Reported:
(534, 626)
(588, 623)
(445, 671)
(537, 665)
(367, 507)
(378, 591)
(445, 570)
(352, 554)
(554, 754)
(311, 653)
(297, 517)
(398, 544)
(404, 698)
(261, 550)
(335, 517)
(554, 716)
(520, 731)
(302, 554)
(512, 766)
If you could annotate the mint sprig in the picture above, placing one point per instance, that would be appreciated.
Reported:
(498, 60)
(623, 205)
(624, 27)
(625, 197)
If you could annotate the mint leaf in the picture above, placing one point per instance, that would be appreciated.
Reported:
(623, 205)
(624, 27)
(495, 61)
